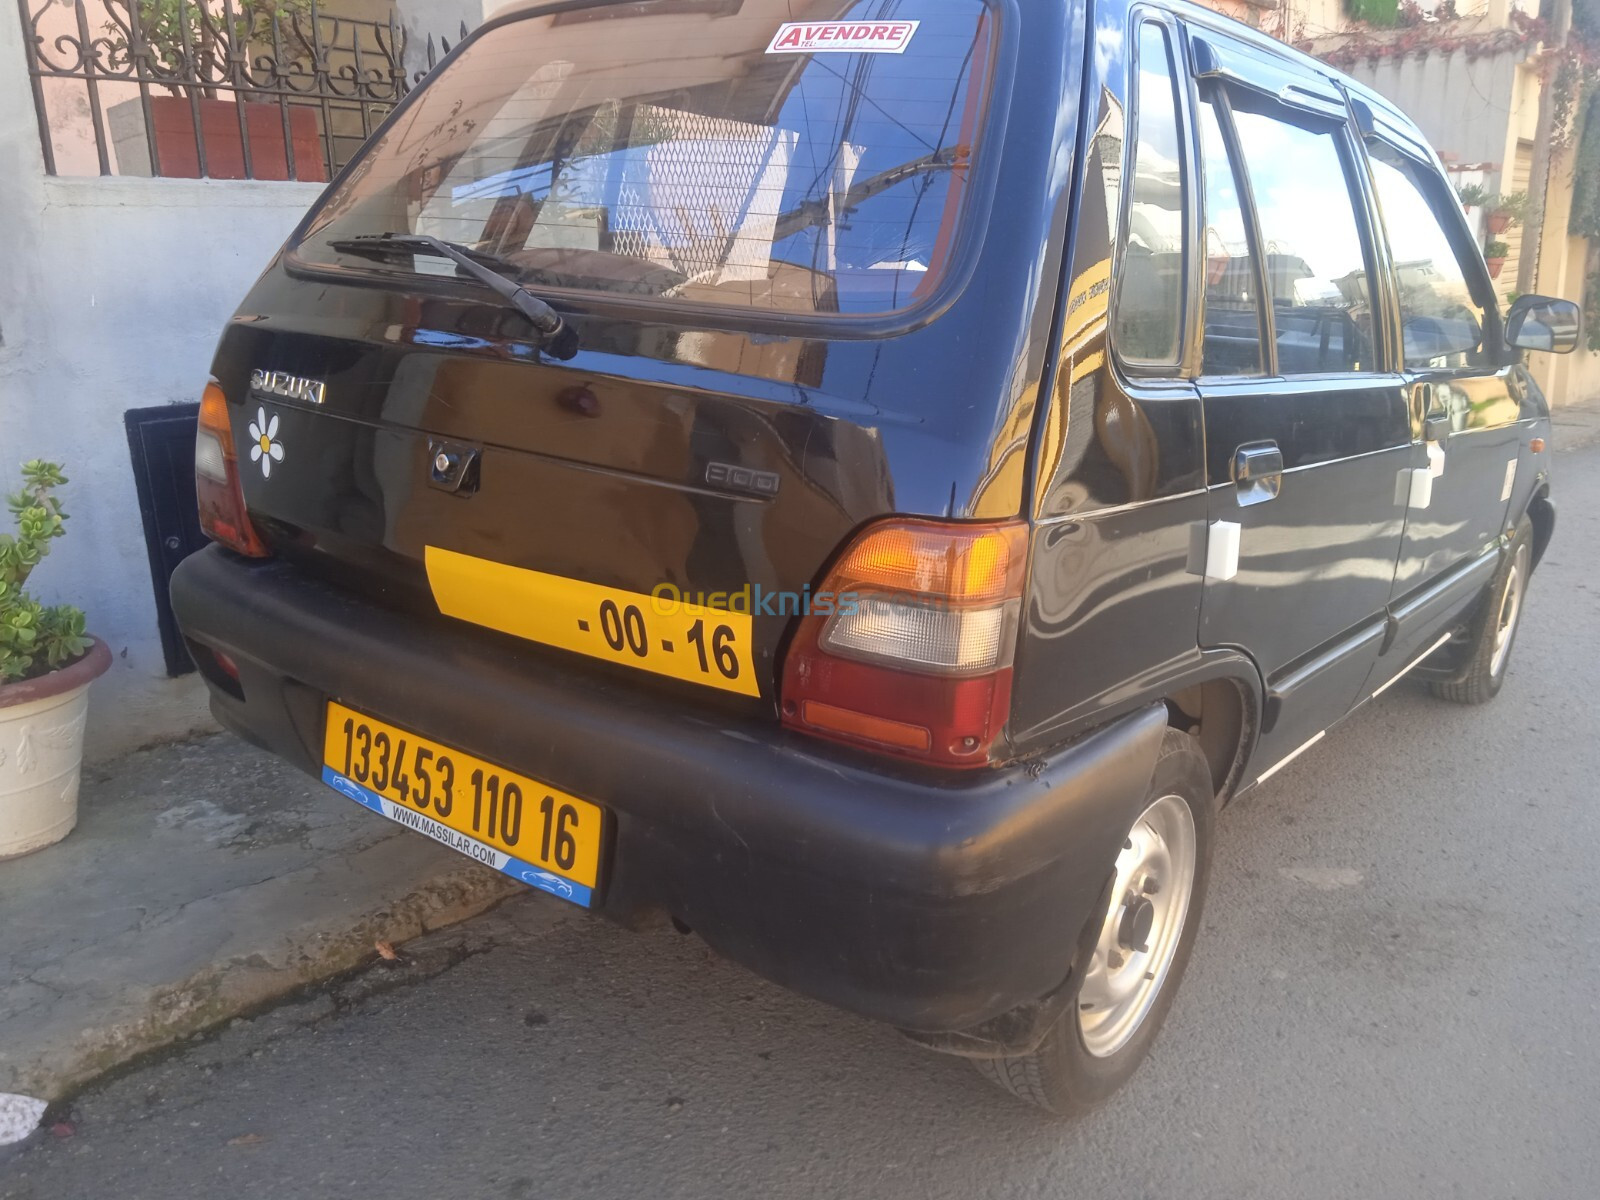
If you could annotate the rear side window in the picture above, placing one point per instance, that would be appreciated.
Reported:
(1441, 324)
(643, 150)
(1316, 263)
(1232, 344)
(1149, 317)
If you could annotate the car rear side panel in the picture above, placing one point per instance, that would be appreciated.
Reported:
(611, 467)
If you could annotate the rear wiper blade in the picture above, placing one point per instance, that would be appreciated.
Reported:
(555, 332)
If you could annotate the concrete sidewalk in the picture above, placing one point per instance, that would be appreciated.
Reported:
(203, 879)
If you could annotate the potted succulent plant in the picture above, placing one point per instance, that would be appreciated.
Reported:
(1472, 195)
(47, 663)
(1494, 257)
(1504, 212)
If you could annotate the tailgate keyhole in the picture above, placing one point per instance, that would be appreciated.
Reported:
(453, 467)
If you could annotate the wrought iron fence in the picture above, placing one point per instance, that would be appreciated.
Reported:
(225, 89)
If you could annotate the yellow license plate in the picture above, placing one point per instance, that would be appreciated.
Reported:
(710, 646)
(527, 829)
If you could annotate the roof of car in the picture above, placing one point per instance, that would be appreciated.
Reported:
(1192, 13)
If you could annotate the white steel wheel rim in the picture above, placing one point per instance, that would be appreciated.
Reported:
(1510, 609)
(1139, 940)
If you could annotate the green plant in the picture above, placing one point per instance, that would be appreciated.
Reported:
(34, 639)
(1496, 249)
(1513, 205)
(1473, 195)
(1382, 13)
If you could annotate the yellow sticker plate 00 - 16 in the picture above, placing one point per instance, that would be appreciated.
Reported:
(530, 831)
(703, 645)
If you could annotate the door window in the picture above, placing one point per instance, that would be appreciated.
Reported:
(1316, 262)
(1149, 316)
(1232, 343)
(1441, 324)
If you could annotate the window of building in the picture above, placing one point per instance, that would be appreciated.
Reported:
(1148, 327)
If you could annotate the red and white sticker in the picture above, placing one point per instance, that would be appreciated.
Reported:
(843, 37)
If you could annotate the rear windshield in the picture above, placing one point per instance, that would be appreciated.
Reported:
(720, 152)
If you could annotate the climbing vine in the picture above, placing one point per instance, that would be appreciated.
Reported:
(1407, 33)
(1576, 89)
(1584, 220)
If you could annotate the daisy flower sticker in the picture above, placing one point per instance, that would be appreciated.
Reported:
(266, 450)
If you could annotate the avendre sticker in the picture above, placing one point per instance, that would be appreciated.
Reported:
(844, 37)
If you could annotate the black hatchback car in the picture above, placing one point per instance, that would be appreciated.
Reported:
(869, 481)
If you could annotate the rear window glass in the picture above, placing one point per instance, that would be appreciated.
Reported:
(716, 153)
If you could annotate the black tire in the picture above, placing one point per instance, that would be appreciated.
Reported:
(1486, 664)
(1062, 1076)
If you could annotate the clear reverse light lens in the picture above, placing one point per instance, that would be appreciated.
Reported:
(912, 634)
(208, 458)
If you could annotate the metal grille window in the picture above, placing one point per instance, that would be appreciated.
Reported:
(222, 89)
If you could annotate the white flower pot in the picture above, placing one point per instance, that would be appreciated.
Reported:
(41, 751)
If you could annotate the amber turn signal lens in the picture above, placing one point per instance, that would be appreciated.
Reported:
(958, 564)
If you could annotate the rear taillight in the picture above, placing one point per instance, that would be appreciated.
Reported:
(216, 478)
(908, 646)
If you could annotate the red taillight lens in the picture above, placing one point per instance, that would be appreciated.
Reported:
(914, 658)
(216, 478)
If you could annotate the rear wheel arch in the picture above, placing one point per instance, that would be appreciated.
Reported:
(1223, 713)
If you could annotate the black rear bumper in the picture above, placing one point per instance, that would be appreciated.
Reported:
(932, 903)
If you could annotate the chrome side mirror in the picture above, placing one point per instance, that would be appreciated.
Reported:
(1543, 323)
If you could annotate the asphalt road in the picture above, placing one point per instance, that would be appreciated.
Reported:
(1395, 994)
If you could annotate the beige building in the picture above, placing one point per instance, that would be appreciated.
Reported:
(1471, 81)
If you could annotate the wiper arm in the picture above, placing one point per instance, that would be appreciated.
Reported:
(545, 320)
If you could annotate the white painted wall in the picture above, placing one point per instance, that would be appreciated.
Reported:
(1461, 102)
(112, 294)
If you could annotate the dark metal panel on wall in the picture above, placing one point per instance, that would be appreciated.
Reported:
(161, 444)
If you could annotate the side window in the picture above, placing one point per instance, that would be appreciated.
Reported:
(1148, 325)
(1316, 263)
(1441, 324)
(1232, 343)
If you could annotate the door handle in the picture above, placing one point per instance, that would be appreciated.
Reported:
(1258, 472)
(1436, 427)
